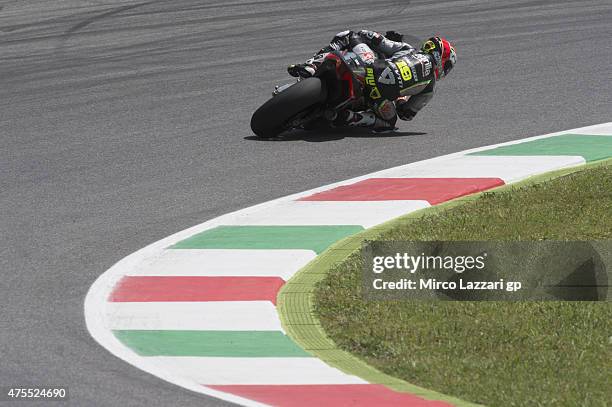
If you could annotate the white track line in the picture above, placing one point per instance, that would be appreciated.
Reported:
(604, 129)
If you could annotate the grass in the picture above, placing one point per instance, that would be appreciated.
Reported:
(493, 353)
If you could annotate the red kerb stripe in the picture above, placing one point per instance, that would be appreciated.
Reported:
(432, 190)
(354, 395)
(170, 288)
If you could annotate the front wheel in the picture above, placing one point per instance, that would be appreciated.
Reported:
(273, 116)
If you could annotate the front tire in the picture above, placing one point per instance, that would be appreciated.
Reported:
(271, 118)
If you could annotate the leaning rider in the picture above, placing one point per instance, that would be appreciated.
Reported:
(400, 79)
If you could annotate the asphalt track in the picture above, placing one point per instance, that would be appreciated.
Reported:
(122, 122)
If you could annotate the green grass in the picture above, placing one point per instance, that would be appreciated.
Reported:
(494, 353)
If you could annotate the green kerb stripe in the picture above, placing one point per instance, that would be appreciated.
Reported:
(592, 148)
(210, 343)
(316, 238)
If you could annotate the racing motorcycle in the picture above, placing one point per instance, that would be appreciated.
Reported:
(337, 84)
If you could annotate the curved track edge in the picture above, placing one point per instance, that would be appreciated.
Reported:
(194, 308)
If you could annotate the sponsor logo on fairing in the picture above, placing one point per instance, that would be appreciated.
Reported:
(371, 82)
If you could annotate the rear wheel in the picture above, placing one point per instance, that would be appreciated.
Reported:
(272, 117)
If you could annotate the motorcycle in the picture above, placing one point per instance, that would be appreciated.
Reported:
(337, 84)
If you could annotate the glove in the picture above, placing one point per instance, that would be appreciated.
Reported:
(403, 109)
(394, 36)
(406, 114)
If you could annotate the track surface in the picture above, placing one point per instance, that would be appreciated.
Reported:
(122, 122)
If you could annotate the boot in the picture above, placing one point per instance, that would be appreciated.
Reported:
(301, 70)
(362, 119)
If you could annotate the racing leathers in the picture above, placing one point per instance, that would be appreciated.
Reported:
(399, 79)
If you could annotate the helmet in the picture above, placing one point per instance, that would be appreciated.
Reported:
(443, 53)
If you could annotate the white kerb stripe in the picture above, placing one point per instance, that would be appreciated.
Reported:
(221, 262)
(508, 168)
(199, 316)
(365, 214)
(288, 370)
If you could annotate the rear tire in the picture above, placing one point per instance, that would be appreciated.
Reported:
(271, 118)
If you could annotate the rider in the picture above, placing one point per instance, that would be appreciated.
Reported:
(399, 81)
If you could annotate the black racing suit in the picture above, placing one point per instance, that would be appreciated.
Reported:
(399, 80)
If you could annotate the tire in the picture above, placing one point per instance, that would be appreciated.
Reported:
(271, 118)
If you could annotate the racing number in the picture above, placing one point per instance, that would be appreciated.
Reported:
(404, 70)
